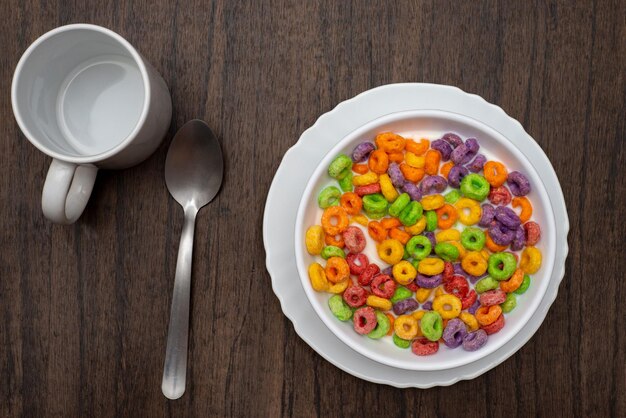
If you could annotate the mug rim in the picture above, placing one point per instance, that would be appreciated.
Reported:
(86, 158)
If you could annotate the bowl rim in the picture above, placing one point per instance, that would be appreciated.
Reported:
(332, 324)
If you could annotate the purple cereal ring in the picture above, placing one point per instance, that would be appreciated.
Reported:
(428, 306)
(456, 174)
(465, 153)
(477, 163)
(388, 271)
(472, 309)
(429, 282)
(362, 151)
(500, 234)
(431, 238)
(397, 178)
(458, 270)
(507, 217)
(454, 333)
(474, 340)
(518, 183)
(453, 139)
(412, 190)
(488, 213)
(443, 147)
(520, 239)
(405, 305)
(433, 184)
(458, 154)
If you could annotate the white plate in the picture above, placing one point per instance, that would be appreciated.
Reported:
(301, 161)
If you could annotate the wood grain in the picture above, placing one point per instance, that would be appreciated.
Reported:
(84, 308)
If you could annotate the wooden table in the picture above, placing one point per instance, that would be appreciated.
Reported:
(84, 308)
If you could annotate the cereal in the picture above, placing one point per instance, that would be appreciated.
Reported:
(395, 174)
(475, 187)
(357, 263)
(486, 315)
(413, 191)
(431, 162)
(337, 269)
(404, 272)
(509, 303)
(404, 306)
(495, 326)
(524, 286)
(362, 151)
(430, 266)
(486, 284)
(391, 251)
(444, 148)
(474, 340)
(399, 204)
(477, 163)
(387, 188)
(390, 142)
(338, 165)
(401, 293)
(399, 342)
(382, 326)
(501, 265)
(314, 240)
(456, 175)
(364, 319)
(448, 306)
(514, 282)
(378, 302)
(474, 263)
(406, 327)
(499, 195)
(351, 203)
(346, 182)
(377, 231)
(428, 282)
(368, 274)
(332, 251)
(411, 173)
(334, 220)
(318, 277)
(454, 333)
(431, 325)
(375, 203)
(365, 179)
(518, 183)
(495, 173)
(492, 297)
(367, 190)
(339, 308)
(378, 162)
(383, 286)
(526, 208)
(432, 202)
(447, 251)
(355, 296)
(473, 214)
(419, 247)
(411, 214)
(433, 184)
(452, 196)
(532, 232)
(531, 260)
(418, 148)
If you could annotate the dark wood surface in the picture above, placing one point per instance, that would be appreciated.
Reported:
(84, 308)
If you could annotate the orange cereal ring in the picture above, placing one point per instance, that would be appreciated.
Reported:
(411, 173)
(334, 220)
(396, 157)
(337, 240)
(527, 208)
(495, 173)
(514, 282)
(360, 168)
(431, 164)
(378, 162)
(351, 203)
(488, 314)
(337, 269)
(446, 216)
(376, 231)
(390, 142)
(389, 223)
(492, 246)
(445, 169)
(392, 319)
(417, 148)
(400, 235)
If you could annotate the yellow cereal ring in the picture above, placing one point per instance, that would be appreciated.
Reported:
(418, 228)
(462, 250)
(340, 287)
(448, 306)
(387, 188)
(360, 219)
(391, 251)
(422, 294)
(474, 263)
(439, 291)
(531, 260)
(448, 235)
(469, 320)
(319, 282)
(365, 179)
(418, 317)
(485, 254)
(314, 239)
(430, 266)
(414, 160)
(404, 272)
(405, 327)
(433, 202)
(379, 303)
(474, 211)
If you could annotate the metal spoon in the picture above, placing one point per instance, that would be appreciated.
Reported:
(193, 174)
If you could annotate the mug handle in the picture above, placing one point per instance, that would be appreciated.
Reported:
(67, 190)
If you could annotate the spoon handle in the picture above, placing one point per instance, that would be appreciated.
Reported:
(175, 368)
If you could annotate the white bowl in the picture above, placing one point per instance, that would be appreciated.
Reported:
(430, 124)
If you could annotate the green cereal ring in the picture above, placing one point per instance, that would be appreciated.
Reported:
(432, 325)
(375, 215)
(475, 187)
(382, 326)
(346, 182)
(332, 251)
(452, 196)
(524, 286)
(339, 164)
(431, 220)
(509, 303)
(401, 293)
(329, 197)
(447, 251)
(399, 204)
(345, 173)
(375, 203)
(473, 239)
(419, 247)
(399, 342)
(406, 255)
(488, 283)
(339, 308)
(411, 213)
(508, 265)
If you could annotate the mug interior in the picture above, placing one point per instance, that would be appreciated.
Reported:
(79, 92)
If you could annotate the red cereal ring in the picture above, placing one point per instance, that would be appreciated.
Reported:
(355, 296)
(413, 287)
(500, 195)
(495, 326)
(354, 239)
(368, 274)
(457, 286)
(369, 189)
(448, 271)
(357, 263)
(468, 300)
(364, 320)
(492, 297)
(533, 233)
(383, 286)
(424, 347)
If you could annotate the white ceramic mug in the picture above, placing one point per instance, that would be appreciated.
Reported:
(83, 95)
